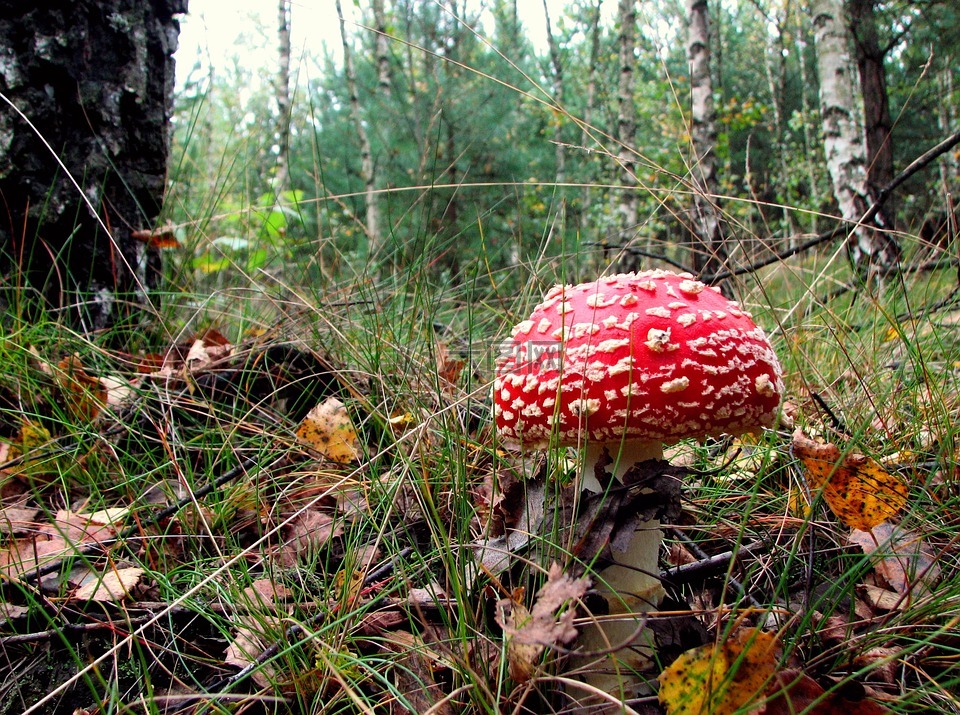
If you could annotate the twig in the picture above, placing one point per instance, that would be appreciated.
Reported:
(732, 581)
(835, 422)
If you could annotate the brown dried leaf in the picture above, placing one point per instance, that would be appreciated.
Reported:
(309, 531)
(79, 528)
(24, 555)
(900, 557)
(114, 585)
(328, 429)
(531, 632)
(207, 349)
(448, 367)
(795, 692)
(162, 237)
(11, 612)
(267, 592)
(244, 649)
(857, 489)
(83, 394)
(414, 675)
(17, 520)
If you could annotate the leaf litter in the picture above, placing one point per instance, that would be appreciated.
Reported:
(311, 574)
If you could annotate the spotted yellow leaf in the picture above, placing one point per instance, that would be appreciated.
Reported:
(857, 489)
(328, 429)
(721, 678)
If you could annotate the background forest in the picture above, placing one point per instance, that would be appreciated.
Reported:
(448, 141)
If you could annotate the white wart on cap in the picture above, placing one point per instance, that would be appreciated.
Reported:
(650, 356)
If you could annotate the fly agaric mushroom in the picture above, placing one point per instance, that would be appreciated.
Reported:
(624, 365)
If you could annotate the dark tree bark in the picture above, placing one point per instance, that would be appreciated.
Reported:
(878, 124)
(84, 138)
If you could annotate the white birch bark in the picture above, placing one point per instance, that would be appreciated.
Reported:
(283, 93)
(382, 48)
(708, 248)
(626, 121)
(372, 220)
(843, 138)
(556, 65)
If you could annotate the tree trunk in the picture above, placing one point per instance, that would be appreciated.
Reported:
(776, 69)
(809, 164)
(869, 246)
(84, 138)
(556, 65)
(283, 94)
(876, 106)
(382, 49)
(947, 123)
(592, 30)
(626, 122)
(709, 252)
(372, 219)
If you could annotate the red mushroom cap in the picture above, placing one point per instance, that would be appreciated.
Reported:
(652, 356)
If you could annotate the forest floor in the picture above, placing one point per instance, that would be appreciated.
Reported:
(292, 508)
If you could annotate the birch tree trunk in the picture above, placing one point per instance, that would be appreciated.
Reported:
(382, 49)
(556, 65)
(283, 94)
(809, 165)
(869, 246)
(708, 247)
(84, 138)
(947, 123)
(626, 121)
(372, 219)
(593, 32)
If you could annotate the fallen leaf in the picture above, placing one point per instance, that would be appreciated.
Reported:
(114, 585)
(16, 520)
(267, 592)
(162, 237)
(881, 599)
(795, 692)
(207, 349)
(721, 678)
(328, 429)
(120, 391)
(83, 394)
(306, 533)
(530, 632)
(414, 675)
(11, 612)
(860, 492)
(24, 555)
(79, 528)
(900, 557)
(448, 367)
(247, 645)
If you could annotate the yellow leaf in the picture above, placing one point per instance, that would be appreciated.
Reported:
(857, 489)
(722, 678)
(328, 429)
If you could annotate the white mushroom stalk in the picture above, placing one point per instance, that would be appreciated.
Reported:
(626, 364)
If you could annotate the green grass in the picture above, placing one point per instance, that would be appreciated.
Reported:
(417, 500)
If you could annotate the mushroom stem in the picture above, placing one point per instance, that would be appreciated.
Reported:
(631, 585)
